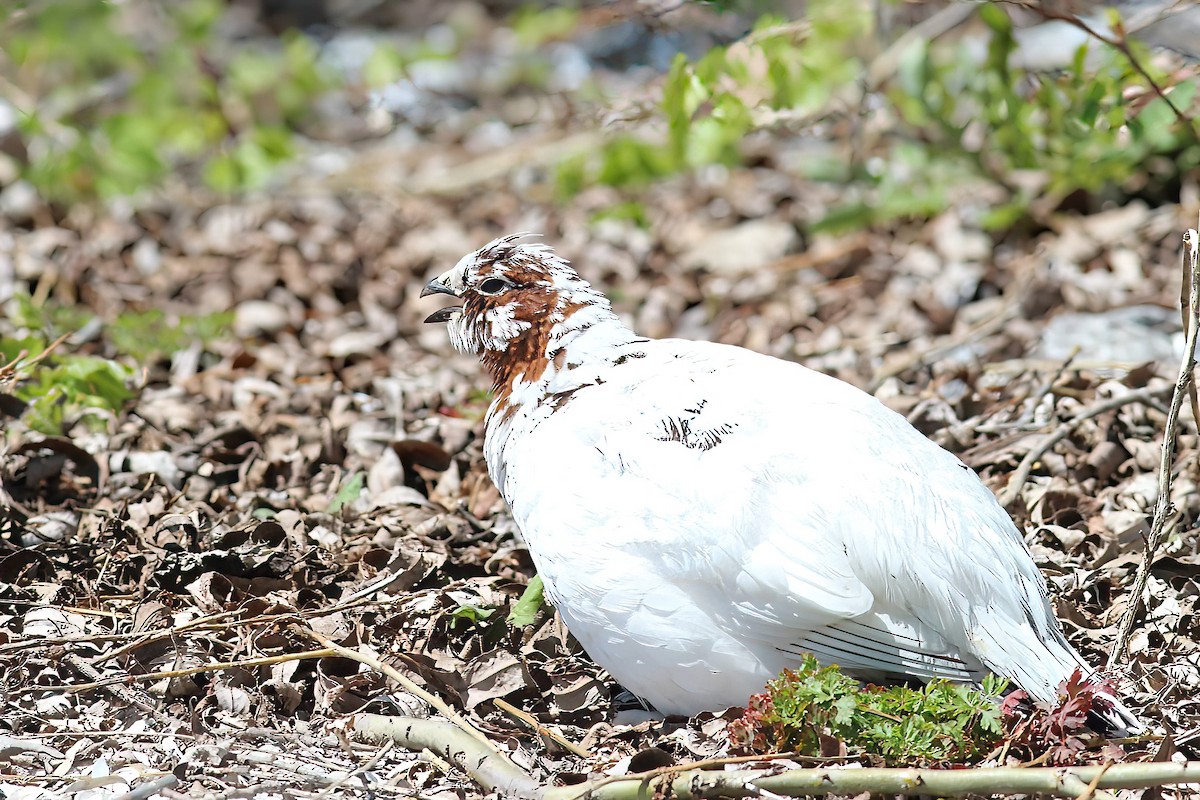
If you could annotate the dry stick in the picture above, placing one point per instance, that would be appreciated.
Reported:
(1187, 307)
(1090, 789)
(489, 768)
(409, 686)
(361, 770)
(149, 789)
(1065, 782)
(1021, 473)
(541, 730)
(181, 673)
(1164, 509)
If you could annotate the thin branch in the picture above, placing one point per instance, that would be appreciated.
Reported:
(1164, 509)
(541, 730)
(409, 685)
(181, 673)
(1021, 474)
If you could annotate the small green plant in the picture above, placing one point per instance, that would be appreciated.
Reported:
(346, 495)
(150, 334)
(60, 390)
(817, 710)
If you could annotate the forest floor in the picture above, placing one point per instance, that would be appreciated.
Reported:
(314, 473)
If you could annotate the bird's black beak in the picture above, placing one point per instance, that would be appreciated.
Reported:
(436, 286)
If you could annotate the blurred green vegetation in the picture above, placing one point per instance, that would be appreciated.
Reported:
(112, 100)
(60, 389)
(116, 97)
(956, 120)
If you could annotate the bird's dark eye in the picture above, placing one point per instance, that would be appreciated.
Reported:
(494, 286)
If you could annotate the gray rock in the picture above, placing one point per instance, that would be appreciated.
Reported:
(1132, 335)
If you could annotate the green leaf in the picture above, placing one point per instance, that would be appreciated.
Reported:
(472, 613)
(534, 25)
(349, 492)
(384, 66)
(526, 609)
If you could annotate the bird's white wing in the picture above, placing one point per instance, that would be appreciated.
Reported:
(748, 490)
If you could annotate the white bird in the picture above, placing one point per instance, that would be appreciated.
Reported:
(702, 515)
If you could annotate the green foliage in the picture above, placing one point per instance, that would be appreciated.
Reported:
(815, 708)
(951, 120)
(112, 103)
(709, 106)
(146, 335)
(60, 388)
(535, 25)
(1072, 131)
(76, 388)
(526, 609)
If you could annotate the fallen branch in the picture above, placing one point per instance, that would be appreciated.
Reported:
(495, 772)
(1064, 782)
(489, 768)
(1164, 509)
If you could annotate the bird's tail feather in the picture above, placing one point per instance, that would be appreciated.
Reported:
(1110, 718)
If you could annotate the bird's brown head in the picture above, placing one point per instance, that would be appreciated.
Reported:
(520, 302)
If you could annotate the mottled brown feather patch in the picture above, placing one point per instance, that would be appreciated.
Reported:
(525, 357)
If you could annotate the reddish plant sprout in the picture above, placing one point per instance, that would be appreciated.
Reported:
(1058, 730)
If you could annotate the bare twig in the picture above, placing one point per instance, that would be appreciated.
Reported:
(180, 673)
(329, 790)
(1164, 509)
(1090, 789)
(1186, 308)
(1021, 473)
(540, 729)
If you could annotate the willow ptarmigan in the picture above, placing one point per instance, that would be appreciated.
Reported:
(702, 514)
